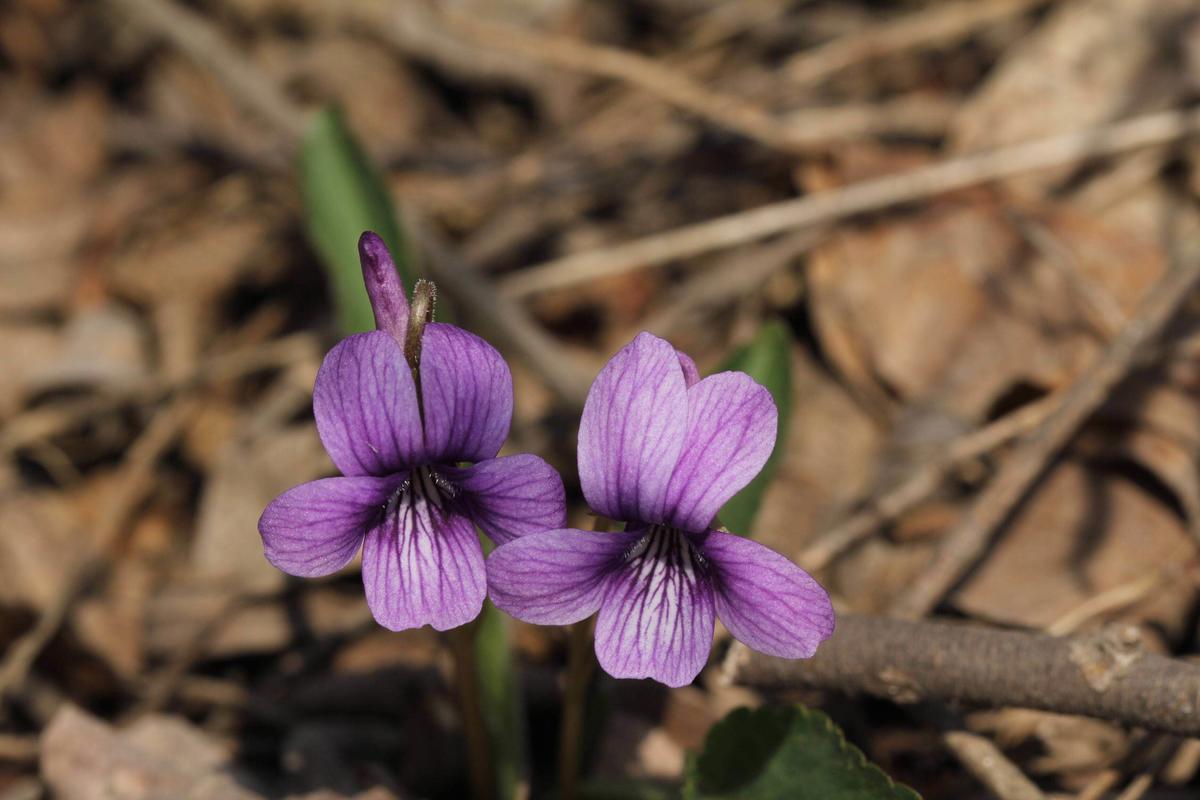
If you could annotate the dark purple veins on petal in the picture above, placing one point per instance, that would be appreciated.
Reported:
(422, 563)
(657, 617)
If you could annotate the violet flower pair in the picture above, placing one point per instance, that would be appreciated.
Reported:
(659, 449)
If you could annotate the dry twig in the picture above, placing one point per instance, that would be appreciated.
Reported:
(1105, 675)
(647, 74)
(939, 23)
(134, 483)
(963, 546)
(923, 482)
(985, 761)
(202, 42)
(857, 198)
(37, 424)
(205, 45)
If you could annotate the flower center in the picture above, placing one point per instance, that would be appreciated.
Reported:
(663, 545)
(423, 485)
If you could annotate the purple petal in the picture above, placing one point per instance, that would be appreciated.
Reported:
(467, 393)
(422, 565)
(555, 577)
(383, 286)
(765, 600)
(657, 617)
(511, 496)
(366, 406)
(632, 430)
(315, 528)
(730, 433)
(691, 375)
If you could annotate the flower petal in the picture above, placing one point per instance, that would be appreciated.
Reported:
(315, 528)
(555, 577)
(511, 496)
(632, 430)
(467, 392)
(691, 375)
(366, 408)
(384, 289)
(730, 433)
(422, 565)
(657, 616)
(765, 600)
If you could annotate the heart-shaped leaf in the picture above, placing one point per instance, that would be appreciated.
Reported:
(785, 753)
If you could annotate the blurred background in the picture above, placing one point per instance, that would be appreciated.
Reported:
(922, 220)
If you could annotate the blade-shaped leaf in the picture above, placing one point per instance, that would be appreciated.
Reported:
(344, 196)
(767, 359)
(785, 753)
(501, 701)
(500, 697)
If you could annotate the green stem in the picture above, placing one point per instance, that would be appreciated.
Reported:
(580, 664)
(466, 679)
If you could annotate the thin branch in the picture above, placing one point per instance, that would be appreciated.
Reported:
(724, 284)
(932, 26)
(925, 480)
(38, 424)
(1105, 675)
(922, 483)
(965, 544)
(248, 85)
(857, 198)
(204, 44)
(987, 762)
(134, 483)
(675, 87)
(501, 317)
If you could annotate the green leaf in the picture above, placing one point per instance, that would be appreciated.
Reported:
(344, 196)
(500, 697)
(767, 359)
(785, 753)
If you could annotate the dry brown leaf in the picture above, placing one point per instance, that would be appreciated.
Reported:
(1089, 62)
(1072, 744)
(50, 155)
(187, 256)
(825, 463)
(183, 97)
(938, 309)
(247, 476)
(102, 347)
(36, 528)
(47, 146)
(381, 99)
(1082, 532)
(25, 350)
(160, 758)
(181, 616)
(870, 577)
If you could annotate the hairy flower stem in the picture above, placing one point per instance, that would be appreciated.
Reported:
(475, 731)
(581, 663)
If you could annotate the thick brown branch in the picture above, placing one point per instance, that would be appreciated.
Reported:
(1105, 675)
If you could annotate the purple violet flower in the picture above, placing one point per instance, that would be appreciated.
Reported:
(662, 451)
(399, 435)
